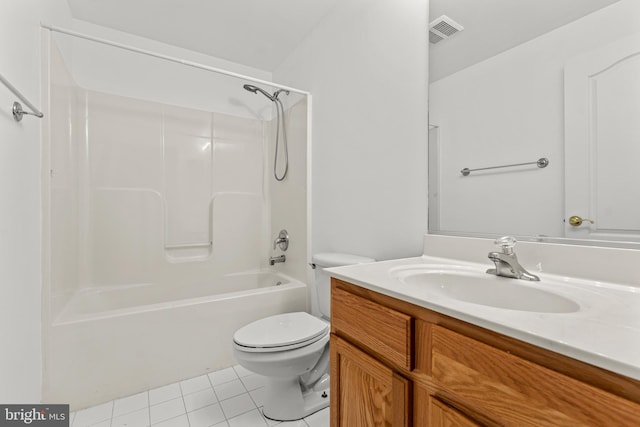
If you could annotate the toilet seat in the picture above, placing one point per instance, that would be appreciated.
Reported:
(281, 332)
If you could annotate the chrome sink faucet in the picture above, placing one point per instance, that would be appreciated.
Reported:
(506, 261)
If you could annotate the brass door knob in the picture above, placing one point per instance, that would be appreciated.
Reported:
(576, 221)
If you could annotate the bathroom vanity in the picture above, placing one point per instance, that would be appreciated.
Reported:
(403, 354)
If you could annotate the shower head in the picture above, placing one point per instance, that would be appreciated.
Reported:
(256, 89)
(279, 121)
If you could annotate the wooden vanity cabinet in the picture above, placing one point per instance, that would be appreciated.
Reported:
(396, 364)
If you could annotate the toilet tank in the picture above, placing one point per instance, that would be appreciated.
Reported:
(323, 279)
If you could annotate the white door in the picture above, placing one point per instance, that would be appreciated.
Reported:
(602, 142)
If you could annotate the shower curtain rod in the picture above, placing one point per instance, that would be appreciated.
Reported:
(169, 58)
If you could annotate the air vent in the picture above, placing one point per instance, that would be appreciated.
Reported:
(443, 28)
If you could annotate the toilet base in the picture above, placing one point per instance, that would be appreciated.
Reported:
(285, 400)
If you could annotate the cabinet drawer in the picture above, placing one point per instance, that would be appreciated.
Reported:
(381, 330)
(513, 391)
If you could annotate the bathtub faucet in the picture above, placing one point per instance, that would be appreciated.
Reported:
(275, 259)
(282, 240)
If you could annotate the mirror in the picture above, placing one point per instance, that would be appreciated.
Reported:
(512, 83)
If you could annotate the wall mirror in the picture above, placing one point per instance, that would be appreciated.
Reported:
(515, 82)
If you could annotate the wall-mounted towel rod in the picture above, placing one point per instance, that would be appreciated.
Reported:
(542, 162)
(17, 110)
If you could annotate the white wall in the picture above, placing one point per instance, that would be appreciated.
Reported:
(510, 109)
(117, 71)
(20, 226)
(366, 66)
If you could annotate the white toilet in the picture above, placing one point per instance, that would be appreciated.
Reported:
(292, 350)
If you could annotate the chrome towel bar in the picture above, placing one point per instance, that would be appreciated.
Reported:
(17, 110)
(542, 162)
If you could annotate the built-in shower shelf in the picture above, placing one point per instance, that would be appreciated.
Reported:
(187, 252)
(189, 245)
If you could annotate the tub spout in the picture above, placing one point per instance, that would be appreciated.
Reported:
(275, 259)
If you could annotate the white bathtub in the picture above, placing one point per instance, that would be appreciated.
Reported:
(117, 341)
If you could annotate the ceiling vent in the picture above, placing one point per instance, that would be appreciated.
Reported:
(443, 28)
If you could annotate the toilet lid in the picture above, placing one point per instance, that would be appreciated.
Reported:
(281, 330)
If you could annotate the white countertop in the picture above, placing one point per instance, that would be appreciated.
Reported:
(604, 332)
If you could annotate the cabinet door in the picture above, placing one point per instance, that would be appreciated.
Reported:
(365, 392)
(515, 392)
(442, 415)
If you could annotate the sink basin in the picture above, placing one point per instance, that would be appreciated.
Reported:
(486, 289)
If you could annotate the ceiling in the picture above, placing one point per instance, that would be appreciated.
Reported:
(493, 26)
(257, 33)
(261, 34)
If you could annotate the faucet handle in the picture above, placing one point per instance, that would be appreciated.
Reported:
(282, 240)
(506, 243)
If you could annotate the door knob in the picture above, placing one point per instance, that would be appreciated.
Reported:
(576, 221)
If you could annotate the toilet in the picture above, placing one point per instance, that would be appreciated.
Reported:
(292, 350)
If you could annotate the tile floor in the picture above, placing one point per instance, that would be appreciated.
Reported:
(230, 397)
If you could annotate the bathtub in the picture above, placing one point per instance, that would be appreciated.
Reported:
(116, 341)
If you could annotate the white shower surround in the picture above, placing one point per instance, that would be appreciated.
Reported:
(124, 309)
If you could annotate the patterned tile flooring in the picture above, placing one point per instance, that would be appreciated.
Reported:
(231, 397)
